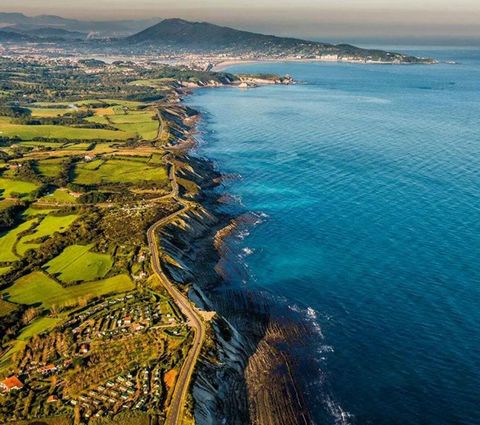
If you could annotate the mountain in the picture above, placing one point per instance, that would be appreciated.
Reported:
(10, 19)
(202, 35)
(101, 28)
(15, 37)
(48, 33)
(180, 35)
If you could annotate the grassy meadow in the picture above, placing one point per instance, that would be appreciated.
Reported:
(9, 238)
(29, 132)
(6, 308)
(141, 123)
(50, 167)
(61, 196)
(21, 188)
(50, 112)
(47, 227)
(118, 170)
(38, 326)
(77, 263)
(37, 288)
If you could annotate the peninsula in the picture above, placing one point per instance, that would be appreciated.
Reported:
(181, 41)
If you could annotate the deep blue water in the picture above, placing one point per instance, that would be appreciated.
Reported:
(369, 177)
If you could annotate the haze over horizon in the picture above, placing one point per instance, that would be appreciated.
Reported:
(354, 19)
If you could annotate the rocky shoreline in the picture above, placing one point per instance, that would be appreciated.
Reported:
(247, 373)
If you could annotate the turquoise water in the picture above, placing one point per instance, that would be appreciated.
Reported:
(368, 179)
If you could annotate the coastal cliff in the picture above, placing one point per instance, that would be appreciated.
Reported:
(246, 373)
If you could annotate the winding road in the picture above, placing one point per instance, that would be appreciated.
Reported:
(176, 409)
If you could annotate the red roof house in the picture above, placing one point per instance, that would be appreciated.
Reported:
(9, 384)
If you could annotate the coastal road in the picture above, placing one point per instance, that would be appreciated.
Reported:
(176, 409)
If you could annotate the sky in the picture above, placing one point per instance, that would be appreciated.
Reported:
(304, 18)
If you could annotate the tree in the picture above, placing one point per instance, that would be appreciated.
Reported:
(30, 314)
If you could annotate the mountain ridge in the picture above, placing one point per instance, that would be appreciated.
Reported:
(104, 28)
(180, 34)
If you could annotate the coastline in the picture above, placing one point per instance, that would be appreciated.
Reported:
(222, 66)
(233, 380)
(340, 403)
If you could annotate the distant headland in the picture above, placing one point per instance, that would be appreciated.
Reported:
(176, 38)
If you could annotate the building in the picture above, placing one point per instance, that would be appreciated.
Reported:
(48, 369)
(10, 384)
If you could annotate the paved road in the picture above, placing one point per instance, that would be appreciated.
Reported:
(176, 409)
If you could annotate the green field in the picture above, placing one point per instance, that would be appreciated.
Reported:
(92, 102)
(159, 83)
(61, 196)
(37, 327)
(50, 112)
(47, 227)
(33, 211)
(50, 167)
(156, 159)
(78, 263)
(38, 144)
(4, 270)
(132, 117)
(5, 203)
(140, 123)
(103, 148)
(5, 361)
(146, 130)
(29, 132)
(35, 288)
(128, 103)
(9, 186)
(119, 171)
(38, 288)
(6, 308)
(77, 146)
(99, 119)
(66, 105)
(8, 240)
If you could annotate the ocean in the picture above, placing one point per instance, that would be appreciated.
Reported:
(366, 180)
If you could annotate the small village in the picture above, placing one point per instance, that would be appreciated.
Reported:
(49, 366)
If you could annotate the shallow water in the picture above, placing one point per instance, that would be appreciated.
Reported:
(369, 177)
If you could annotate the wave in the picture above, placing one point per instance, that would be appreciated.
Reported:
(248, 251)
(310, 315)
(333, 408)
(340, 416)
(242, 234)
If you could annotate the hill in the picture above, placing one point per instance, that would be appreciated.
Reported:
(46, 33)
(8, 36)
(181, 35)
(102, 28)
